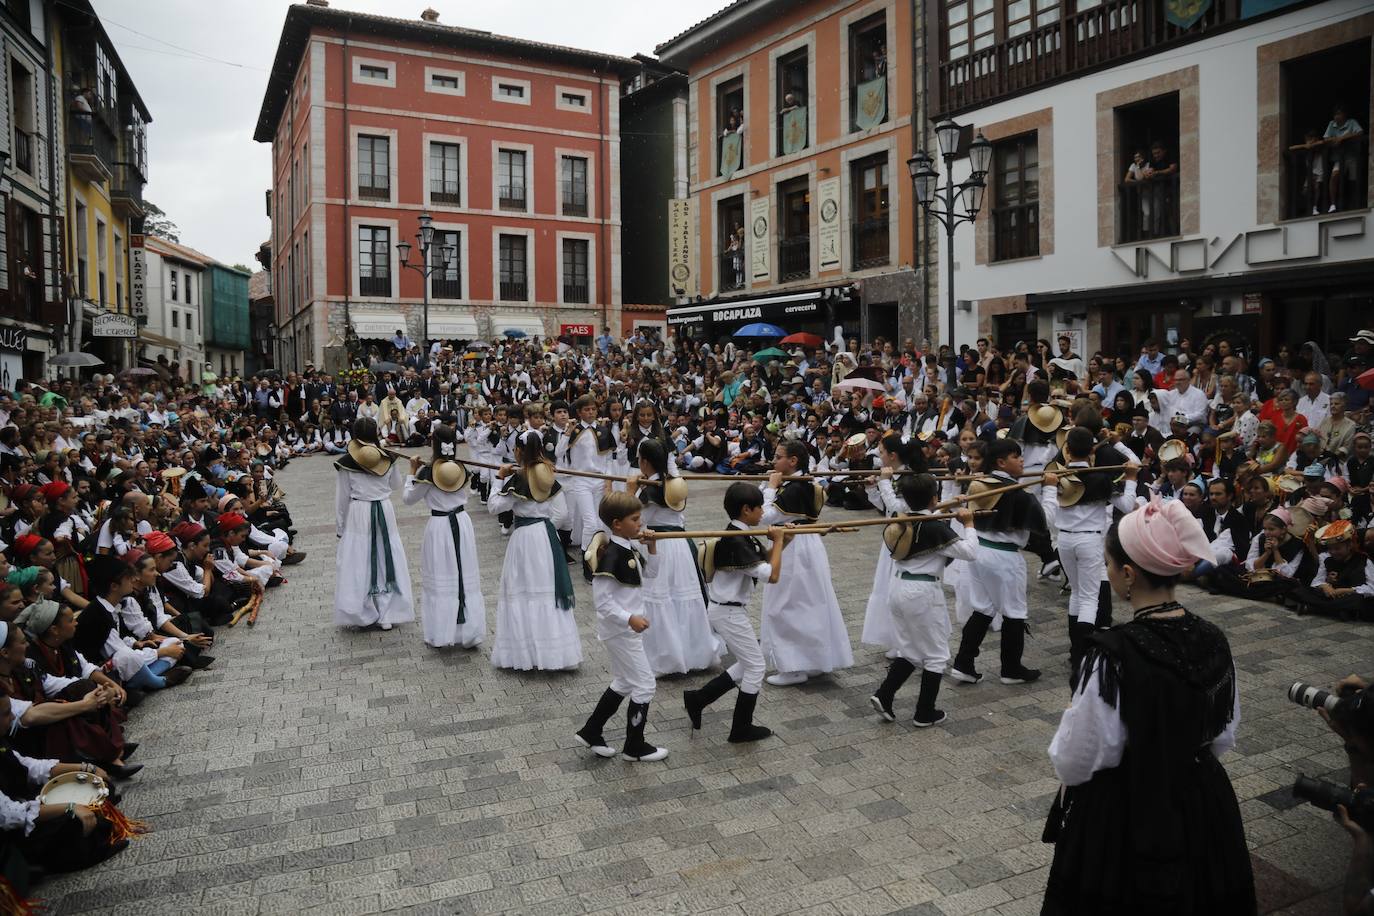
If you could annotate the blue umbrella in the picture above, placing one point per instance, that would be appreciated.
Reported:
(514, 332)
(760, 329)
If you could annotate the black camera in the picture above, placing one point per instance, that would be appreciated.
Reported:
(1351, 705)
(1327, 795)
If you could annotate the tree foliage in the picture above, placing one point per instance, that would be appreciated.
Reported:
(158, 223)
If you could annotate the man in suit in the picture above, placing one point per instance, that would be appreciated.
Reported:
(443, 403)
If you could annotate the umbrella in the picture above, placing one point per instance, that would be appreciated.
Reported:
(472, 356)
(803, 339)
(866, 384)
(514, 332)
(379, 367)
(770, 353)
(760, 329)
(76, 358)
(1366, 380)
(138, 371)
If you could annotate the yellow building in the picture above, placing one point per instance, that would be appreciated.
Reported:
(104, 124)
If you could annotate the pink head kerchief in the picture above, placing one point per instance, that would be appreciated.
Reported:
(1164, 537)
(1316, 505)
(1282, 514)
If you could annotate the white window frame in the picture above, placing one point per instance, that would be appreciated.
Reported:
(590, 239)
(590, 157)
(528, 149)
(464, 154)
(431, 72)
(498, 81)
(584, 94)
(466, 268)
(357, 223)
(354, 131)
(368, 80)
(530, 262)
(807, 41)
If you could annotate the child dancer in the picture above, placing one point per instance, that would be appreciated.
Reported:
(920, 622)
(803, 632)
(618, 571)
(674, 600)
(535, 628)
(731, 566)
(372, 584)
(895, 456)
(452, 609)
(580, 448)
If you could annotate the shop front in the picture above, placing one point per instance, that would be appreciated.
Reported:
(814, 312)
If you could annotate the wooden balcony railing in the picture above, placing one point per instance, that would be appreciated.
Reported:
(1147, 209)
(1307, 184)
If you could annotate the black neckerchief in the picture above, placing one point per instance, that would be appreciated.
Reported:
(624, 564)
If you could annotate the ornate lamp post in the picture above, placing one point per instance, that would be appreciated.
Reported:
(951, 204)
(431, 262)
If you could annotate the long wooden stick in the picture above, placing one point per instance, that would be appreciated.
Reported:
(846, 526)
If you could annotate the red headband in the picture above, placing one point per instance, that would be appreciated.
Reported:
(158, 542)
(230, 521)
(54, 490)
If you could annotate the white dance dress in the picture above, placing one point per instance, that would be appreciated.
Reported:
(372, 580)
(679, 638)
(452, 609)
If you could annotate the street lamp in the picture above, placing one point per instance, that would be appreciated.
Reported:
(951, 204)
(431, 262)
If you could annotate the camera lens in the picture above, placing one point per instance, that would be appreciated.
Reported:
(1312, 697)
(1322, 794)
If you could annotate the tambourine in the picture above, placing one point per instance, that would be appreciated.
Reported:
(74, 789)
(1173, 448)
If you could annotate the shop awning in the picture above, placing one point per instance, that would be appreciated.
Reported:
(449, 325)
(530, 324)
(377, 324)
(783, 310)
(157, 340)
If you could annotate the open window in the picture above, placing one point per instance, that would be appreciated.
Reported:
(730, 242)
(730, 126)
(791, 88)
(1149, 168)
(1325, 150)
(868, 72)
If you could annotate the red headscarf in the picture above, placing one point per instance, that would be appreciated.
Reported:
(230, 521)
(186, 532)
(54, 491)
(158, 542)
(26, 544)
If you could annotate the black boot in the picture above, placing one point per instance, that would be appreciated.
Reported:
(974, 630)
(712, 690)
(1013, 645)
(743, 728)
(897, 672)
(589, 735)
(569, 551)
(636, 748)
(926, 713)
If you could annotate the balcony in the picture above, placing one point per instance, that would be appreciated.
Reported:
(512, 197)
(576, 293)
(23, 151)
(127, 193)
(514, 290)
(374, 191)
(575, 207)
(794, 258)
(1016, 231)
(870, 243)
(1076, 42)
(439, 288)
(1147, 210)
(90, 147)
(445, 193)
(732, 271)
(1307, 190)
(374, 286)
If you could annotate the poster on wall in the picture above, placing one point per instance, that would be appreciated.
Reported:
(13, 342)
(682, 273)
(1075, 336)
(828, 194)
(760, 239)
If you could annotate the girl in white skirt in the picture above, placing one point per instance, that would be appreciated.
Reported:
(535, 628)
(893, 453)
(801, 628)
(372, 580)
(619, 425)
(680, 639)
(452, 609)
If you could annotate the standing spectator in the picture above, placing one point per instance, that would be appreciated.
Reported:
(1314, 404)
(1341, 136)
(400, 341)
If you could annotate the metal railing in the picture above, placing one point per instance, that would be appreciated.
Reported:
(1016, 231)
(374, 191)
(444, 193)
(514, 290)
(441, 288)
(794, 258)
(1147, 209)
(574, 207)
(511, 198)
(1307, 178)
(732, 268)
(88, 135)
(128, 184)
(870, 243)
(23, 150)
(576, 292)
(374, 286)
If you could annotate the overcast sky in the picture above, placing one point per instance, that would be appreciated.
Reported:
(202, 66)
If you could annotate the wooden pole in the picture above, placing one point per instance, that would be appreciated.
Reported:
(846, 526)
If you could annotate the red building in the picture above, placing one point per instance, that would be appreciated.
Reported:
(511, 147)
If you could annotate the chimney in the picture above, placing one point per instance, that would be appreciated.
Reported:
(323, 3)
(430, 14)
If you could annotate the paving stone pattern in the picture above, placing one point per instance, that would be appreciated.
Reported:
(318, 770)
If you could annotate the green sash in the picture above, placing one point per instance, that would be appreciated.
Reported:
(458, 555)
(562, 582)
(379, 530)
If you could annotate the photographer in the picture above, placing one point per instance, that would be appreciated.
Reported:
(1358, 894)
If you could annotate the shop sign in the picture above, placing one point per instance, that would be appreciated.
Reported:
(12, 338)
(575, 330)
(111, 324)
(138, 278)
(1253, 303)
(682, 277)
(828, 192)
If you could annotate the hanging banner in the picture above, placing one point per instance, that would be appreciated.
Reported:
(731, 154)
(682, 273)
(794, 130)
(138, 278)
(871, 108)
(1184, 13)
(828, 193)
(760, 239)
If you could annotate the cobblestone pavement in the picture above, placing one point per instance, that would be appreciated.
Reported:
(315, 770)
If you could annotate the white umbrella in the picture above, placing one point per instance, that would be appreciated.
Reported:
(866, 384)
(76, 358)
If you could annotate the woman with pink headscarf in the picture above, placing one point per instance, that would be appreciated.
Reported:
(1146, 820)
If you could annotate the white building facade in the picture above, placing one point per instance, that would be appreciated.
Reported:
(1233, 244)
(175, 330)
